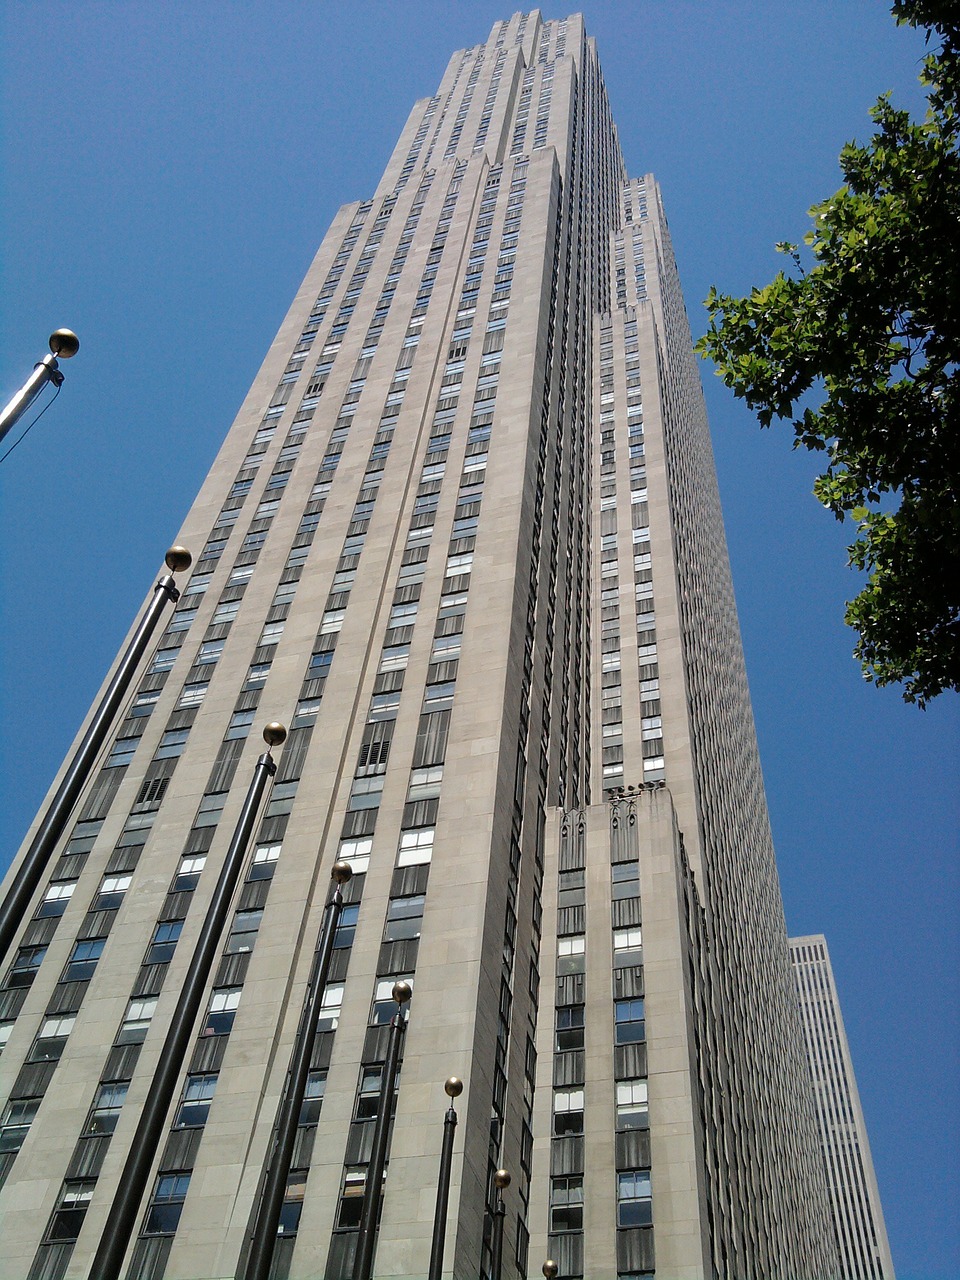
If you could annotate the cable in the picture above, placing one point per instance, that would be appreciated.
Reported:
(31, 425)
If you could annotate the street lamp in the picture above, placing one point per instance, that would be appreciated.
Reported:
(63, 344)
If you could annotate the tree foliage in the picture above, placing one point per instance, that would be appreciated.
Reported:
(872, 331)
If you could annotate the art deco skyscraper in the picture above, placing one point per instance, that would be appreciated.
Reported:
(464, 539)
(854, 1196)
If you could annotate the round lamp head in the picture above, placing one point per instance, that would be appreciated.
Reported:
(178, 559)
(402, 991)
(501, 1179)
(274, 734)
(453, 1087)
(64, 343)
(341, 872)
(550, 1269)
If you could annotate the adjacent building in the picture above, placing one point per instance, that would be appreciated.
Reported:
(854, 1197)
(464, 540)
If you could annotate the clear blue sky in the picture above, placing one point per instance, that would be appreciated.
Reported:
(168, 172)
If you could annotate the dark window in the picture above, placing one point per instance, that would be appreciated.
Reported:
(164, 942)
(196, 1101)
(83, 959)
(106, 1107)
(167, 1204)
(71, 1210)
(630, 1021)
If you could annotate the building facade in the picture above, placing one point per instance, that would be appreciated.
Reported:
(854, 1196)
(464, 540)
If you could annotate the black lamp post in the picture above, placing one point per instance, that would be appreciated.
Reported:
(363, 1262)
(31, 869)
(122, 1217)
(288, 1115)
(453, 1088)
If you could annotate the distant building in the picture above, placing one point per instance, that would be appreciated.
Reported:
(464, 539)
(854, 1197)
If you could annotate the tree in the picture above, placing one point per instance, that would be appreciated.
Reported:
(872, 331)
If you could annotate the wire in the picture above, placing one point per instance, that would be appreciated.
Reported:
(31, 425)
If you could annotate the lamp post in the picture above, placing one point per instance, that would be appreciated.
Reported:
(363, 1262)
(122, 1217)
(501, 1180)
(63, 343)
(453, 1088)
(259, 1258)
(550, 1269)
(35, 860)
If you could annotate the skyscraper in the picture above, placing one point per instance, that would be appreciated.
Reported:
(464, 539)
(854, 1196)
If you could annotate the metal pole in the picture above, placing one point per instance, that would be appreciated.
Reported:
(288, 1115)
(453, 1088)
(501, 1180)
(31, 869)
(363, 1262)
(62, 343)
(122, 1217)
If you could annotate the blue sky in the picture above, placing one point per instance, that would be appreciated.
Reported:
(168, 171)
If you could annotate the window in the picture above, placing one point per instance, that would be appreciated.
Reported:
(632, 1109)
(122, 752)
(164, 659)
(112, 889)
(264, 859)
(136, 1022)
(634, 1206)
(292, 1203)
(106, 1107)
(357, 853)
(25, 966)
(83, 959)
(51, 1039)
(313, 1097)
(567, 1112)
(627, 946)
(571, 955)
(384, 1005)
(225, 612)
(56, 898)
(222, 1011)
(71, 1210)
(347, 925)
(272, 633)
(628, 1015)
(17, 1118)
(416, 847)
(569, 1027)
(171, 744)
(188, 873)
(394, 657)
(192, 695)
(330, 1007)
(368, 1093)
(195, 1105)
(571, 889)
(365, 793)
(566, 1204)
(626, 879)
(243, 932)
(210, 809)
(239, 725)
(351, 1200)
(166, 1204)
(209, 652)
(404, 918)
(425, 783)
